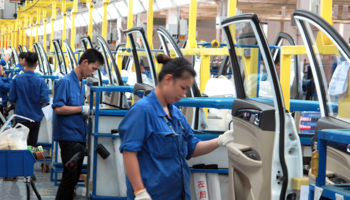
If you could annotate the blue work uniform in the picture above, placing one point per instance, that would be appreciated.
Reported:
(69, 127)
(16, 70)
(3, 62)
(29, 91)
(5, 84)
(161, 151)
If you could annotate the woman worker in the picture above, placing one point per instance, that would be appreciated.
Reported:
(156, 138)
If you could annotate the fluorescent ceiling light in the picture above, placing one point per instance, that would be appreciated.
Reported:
(182, 2)
(86, 18)
(57, 25)
(100, 11)
(112, 11)
(123, 9)
(68, 22)
(137, 7)
(48, 28)
(28, 31)
(81, 20)
(96, 15)
(164, 4)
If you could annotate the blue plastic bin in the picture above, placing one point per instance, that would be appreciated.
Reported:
(14, 163)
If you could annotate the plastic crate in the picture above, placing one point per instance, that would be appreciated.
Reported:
(14, 163)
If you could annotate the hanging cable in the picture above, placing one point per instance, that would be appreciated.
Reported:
(21, 10)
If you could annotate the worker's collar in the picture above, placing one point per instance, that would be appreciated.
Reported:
(74, 75)
(158, 107)
(29, 72)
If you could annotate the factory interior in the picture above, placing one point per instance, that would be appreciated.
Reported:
(174, 99)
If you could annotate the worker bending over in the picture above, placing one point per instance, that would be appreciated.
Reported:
(29, 93)
(156, 138)
(69, 124)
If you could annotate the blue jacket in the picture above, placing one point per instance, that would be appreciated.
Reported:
(5, 84)
(161, 152)
(69, 127)
(29, 91)
(16, 70)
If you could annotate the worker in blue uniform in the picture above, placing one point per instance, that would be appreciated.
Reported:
(5, 84)
(29, 93)
(19, 66)
(156, 138)
(69, 124)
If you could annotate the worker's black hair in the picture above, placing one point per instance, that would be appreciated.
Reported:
(31, 58)
(92, 55)
(176, 67)
(22, 55)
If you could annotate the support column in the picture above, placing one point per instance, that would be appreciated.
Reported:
(45, 25)
(37, 24)
(231, 8)
(104, 20)
(12, 32)
(20, 32)
(90, 25)
(192, 26)
(53, 17)
(130, 21)
(150, 23)
(64, 30)
(25, 26)
(74, 13)
(31, 21)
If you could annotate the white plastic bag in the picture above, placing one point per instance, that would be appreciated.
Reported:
(13, 138)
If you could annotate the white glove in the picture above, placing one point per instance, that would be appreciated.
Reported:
(225, 138)
(142, 195)
(8, 51)
(85, 111)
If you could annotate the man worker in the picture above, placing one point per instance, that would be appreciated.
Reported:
(69, 124)
(29, 93)
(19, 66)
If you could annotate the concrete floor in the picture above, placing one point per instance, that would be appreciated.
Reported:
(16, 190)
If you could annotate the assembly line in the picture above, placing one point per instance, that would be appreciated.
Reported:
(96, 105)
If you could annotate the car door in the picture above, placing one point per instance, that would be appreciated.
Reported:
(296, 78)
(62, 66)
(15, 55)
(40, 61)
(71, 57)
(267, 152)
(195, 116)
(20, 49)
(329, 57)
(141, 57)
(114, 99)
